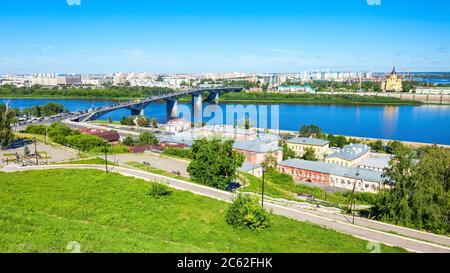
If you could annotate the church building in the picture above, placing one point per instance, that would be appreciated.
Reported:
(393, 83)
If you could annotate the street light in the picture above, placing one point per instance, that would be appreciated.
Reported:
(106, 157)
(262, 186)
(35, 152)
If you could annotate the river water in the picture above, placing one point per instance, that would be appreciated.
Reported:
(425, 123)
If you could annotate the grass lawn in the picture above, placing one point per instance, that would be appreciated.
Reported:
(92, 161)
(42, 211)
(105, 122)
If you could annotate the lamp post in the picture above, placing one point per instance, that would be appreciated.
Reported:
(262, 186)
(106, 157)
(35, 152)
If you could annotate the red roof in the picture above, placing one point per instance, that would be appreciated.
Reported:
(142, 149)
(109, 136)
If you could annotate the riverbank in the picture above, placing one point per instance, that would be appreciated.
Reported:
(225, 99)
(294, 98)
(366, 140)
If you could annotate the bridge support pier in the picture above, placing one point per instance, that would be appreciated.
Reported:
(172, 109)
(137, 112)
(214, 97)
(197, 108)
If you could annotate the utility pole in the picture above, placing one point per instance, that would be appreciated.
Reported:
(106, 157)
(262, 188)
(352, 204)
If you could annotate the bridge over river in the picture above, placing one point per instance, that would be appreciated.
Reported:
(137, 107)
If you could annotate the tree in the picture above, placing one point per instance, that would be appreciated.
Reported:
(310, 131)
(154, 123)
(309, 154)
(270, 162)
(129, 121)
(214, 162)
(288, 152)
(421, 191)
(377, 146)
(147, 138)
(246, 213)
(394, 146)
(128, 141)
(86, 142)
(6, 119)
(51, 109)
(143, 121)
(337, 141)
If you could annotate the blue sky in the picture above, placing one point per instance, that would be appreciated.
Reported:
(105, 36)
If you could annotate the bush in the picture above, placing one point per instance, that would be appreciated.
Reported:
(86, 142)
(147, 138)
(38, 129)
(183, 153)
(128, 141)
(246, 213)
(159, 189)
(116, 149)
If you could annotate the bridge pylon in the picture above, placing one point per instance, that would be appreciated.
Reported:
(197, 108)
(172, 109)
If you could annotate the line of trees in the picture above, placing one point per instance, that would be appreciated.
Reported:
(314, 98)
(62, 134)
(340, 141)
(141, 121)
(46, 110)
(145, 138)
(107, 92)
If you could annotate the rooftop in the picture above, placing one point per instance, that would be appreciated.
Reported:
(247, 166)
(256, 146)
(351, 152)
(308, 141)
(322, 167)
(377, 161)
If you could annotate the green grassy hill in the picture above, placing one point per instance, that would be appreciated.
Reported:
(42, 211)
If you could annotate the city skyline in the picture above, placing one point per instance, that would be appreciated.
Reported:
(194, 37)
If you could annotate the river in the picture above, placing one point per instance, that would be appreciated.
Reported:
(424, 123)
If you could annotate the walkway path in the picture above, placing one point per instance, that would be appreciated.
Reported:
(332, 221)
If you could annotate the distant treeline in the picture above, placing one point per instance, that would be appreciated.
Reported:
(107, 93)
(312, 98)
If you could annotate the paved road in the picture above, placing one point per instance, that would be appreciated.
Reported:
(159, 162)
(300, 215)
